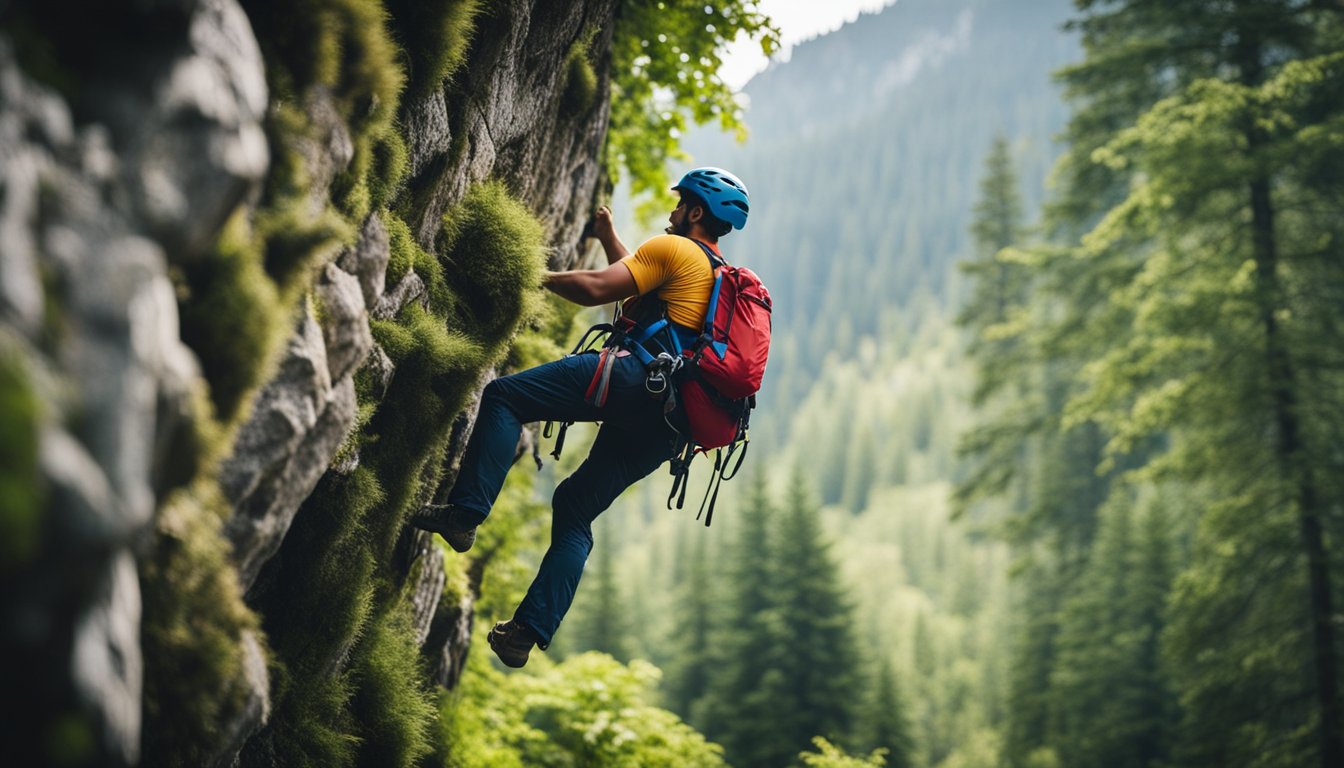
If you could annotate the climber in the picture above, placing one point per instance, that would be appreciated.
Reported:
(635, 437)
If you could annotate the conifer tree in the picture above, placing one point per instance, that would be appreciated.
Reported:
(750, 646)
(1022, 448)
(822, 662)
(688, 673)
(885, 724)
(1203, 289)
(1115, 706)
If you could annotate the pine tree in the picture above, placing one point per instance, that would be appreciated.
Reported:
(821, 666)
(750, 647)
(1204, 289)
(689, 672)
(1024, 449)
(884, 724)
(1032, 717)
(999, 294)
(1115, 705)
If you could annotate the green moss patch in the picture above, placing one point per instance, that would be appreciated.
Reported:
(21, 495)
(493, 251)
(194, 618)
(319, 600)
(407, 255)
(394, 705)
(437, 371)
(231, 316)
(435, 35)
(580, 88)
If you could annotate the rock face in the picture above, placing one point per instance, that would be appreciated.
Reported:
(298, 421)
(86, 213)
(513, 128)
(103, 197)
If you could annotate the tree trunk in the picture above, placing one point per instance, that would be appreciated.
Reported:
(1290, 456)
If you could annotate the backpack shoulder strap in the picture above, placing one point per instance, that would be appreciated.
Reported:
(715, 260)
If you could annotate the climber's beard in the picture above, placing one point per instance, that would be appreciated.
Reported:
(683, 229)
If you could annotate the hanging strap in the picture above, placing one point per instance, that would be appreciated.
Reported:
(680, 467)
(715, 480)
(721, 473)
(559, 439)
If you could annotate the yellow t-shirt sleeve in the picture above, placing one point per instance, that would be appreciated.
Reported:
(651, 263)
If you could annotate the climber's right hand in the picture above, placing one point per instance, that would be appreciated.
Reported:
(603, 227)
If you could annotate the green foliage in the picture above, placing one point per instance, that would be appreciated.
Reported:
(492, 250)
(435, 36)
(830, 756)
(1173, 339)
(589, 710)
(665, 60)
(191, 630)
(21, 497)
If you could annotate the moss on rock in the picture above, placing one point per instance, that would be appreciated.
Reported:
(393, 704)
(192, 628)
(493, 252)
(435, 35)
(407, 255)
(580, 88)
(231, 316)
(21, 495)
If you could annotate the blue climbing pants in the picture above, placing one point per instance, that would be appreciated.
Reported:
(633, 440)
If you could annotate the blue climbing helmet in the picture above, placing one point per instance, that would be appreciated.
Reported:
(724, 193)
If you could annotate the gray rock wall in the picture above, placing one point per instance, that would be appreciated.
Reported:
(98, 201)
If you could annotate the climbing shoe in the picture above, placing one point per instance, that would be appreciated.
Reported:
(511, 642)
(444, 519)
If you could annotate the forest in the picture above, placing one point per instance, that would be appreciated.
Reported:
(1047, 470)
(1060, 394)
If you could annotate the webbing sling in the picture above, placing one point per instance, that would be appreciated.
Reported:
(681, 477)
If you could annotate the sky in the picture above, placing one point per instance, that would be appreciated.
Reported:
(797, 20)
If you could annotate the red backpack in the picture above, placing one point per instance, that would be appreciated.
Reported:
(721, 375)
(724, 368)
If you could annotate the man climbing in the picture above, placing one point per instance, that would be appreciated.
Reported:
(635, 437)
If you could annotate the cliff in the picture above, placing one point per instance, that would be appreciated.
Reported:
(257, 260)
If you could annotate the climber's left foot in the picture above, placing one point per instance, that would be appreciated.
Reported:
(444, 519)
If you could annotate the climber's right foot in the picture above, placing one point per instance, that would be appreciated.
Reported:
(445, 520)
(512, 641)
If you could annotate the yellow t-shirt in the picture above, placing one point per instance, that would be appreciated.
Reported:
(679, 272)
